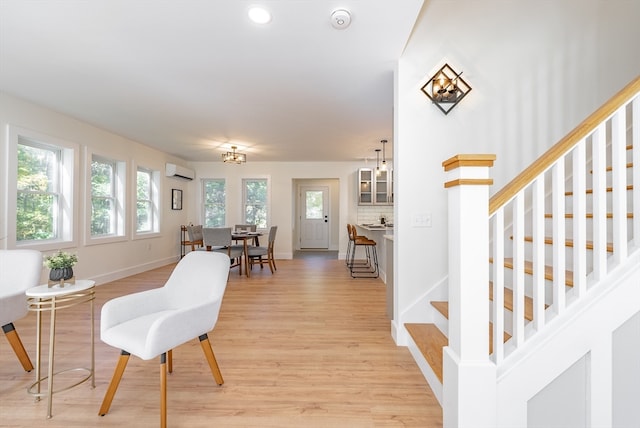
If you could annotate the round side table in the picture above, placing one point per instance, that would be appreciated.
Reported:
(45, 298)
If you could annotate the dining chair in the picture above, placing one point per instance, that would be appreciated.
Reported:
(219, 239)
(19, 270)
(195, 236)
(152, 323)
(255, 254)
(248, 228)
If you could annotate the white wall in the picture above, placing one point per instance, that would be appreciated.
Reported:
(102, 262)
(537, 68)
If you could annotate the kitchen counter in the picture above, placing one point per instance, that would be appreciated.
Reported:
(382, 227)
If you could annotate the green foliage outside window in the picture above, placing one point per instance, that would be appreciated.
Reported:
(144, 204)
(214, 203)
(102, 198)
(256, 202)
(314, 204)
(37, 197)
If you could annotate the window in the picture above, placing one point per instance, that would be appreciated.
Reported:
(107, 197)
(214, 208)
(43, 189)
(38, 192)
(255, 195)
(147, 201)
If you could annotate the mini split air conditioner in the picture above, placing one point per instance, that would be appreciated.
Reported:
(177, 171)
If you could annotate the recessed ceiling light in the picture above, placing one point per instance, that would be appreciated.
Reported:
(259, 15)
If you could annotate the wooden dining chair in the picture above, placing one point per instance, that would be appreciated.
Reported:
(195, 236)
(248, 228)
(218, 239)
(256, 254)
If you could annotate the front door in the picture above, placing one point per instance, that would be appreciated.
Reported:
(314, 213)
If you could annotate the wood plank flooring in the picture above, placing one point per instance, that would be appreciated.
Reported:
(308, 346)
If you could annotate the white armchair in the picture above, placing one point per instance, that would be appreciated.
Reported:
(19, 270)
(153, 322)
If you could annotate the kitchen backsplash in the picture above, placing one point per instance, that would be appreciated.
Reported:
(372, 214)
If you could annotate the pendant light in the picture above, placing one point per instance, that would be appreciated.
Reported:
(384, 158)
(377, 161)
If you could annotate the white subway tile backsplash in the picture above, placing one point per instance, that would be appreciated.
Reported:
(372, 214)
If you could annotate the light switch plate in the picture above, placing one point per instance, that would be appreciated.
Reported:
(421, 220)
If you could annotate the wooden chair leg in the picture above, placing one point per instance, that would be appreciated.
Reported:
(15, 342)
(115, 381)
(213, 364)
(163, 390)
(170, 360)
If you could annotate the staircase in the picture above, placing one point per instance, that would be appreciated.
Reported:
(562, 236)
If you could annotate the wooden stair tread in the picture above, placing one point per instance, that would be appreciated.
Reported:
(590, 191)
(430, 342)
(569, 243)
(589, 215)
(508, 302)
(548, 270)
(442, 307)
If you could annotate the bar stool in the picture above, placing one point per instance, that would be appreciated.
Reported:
(369, 267)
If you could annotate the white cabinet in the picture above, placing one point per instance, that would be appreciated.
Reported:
(375, 187)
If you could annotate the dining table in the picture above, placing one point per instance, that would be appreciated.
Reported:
(245, 237)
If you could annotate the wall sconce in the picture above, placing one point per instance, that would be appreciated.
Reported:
(234, 157)
(446, 88)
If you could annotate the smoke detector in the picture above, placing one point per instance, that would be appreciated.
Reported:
(340, 19)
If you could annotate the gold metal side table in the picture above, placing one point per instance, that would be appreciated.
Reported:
(45, 298)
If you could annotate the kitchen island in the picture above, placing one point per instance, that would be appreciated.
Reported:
(377, 233)
(383, 235)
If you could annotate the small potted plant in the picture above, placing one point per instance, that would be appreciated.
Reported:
(61, 265)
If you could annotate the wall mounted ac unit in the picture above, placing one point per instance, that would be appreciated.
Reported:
(177, 171)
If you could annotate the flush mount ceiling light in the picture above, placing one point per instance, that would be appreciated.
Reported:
(259, 15)
(234, 157)
(340, 19)
(446, 88)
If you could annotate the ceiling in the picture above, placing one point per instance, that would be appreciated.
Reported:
(193, 77)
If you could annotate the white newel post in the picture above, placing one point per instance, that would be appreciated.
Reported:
(469, 386)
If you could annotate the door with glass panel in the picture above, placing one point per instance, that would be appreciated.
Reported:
(314, 221)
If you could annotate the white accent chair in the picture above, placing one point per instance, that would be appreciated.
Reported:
(151, 323)
(19, 270)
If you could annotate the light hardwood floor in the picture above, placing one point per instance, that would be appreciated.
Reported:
(306, 347)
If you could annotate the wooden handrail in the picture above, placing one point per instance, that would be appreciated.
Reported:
(563, 146)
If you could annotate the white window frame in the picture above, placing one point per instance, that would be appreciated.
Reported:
(267, 202)
(120, 183)
(155, 203)
(203, 207)
(68, 163)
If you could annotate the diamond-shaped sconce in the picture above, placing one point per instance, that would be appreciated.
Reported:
(446, 88)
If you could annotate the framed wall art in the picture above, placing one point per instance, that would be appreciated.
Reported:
(176, 199)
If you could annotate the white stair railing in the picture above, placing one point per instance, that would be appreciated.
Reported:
(578, 194)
